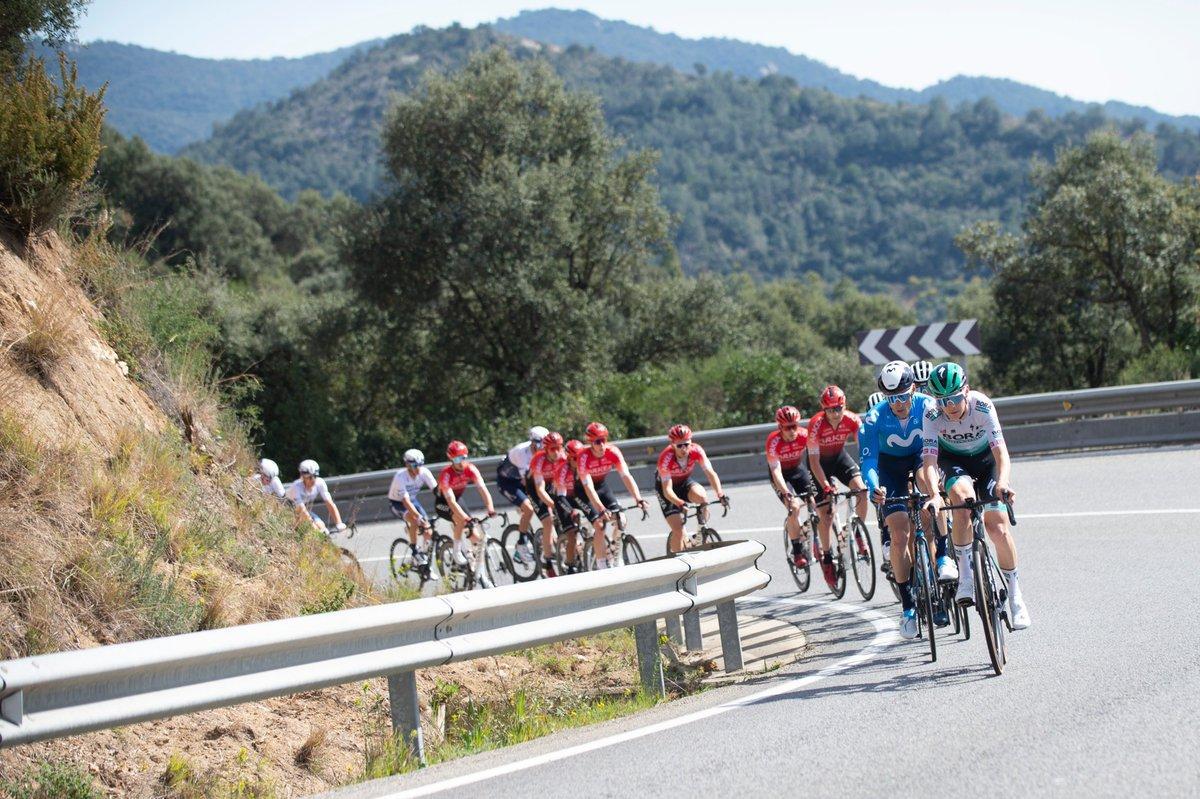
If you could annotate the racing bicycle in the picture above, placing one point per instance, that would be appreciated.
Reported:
(703, 534)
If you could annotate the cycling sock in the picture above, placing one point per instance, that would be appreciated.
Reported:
(601, 563)
(885, 535)
(906, 594)
(964, 559)
(939, 546)
(1010, 577)
(797, 546)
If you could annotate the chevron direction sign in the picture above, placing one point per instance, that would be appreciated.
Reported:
(915, 342)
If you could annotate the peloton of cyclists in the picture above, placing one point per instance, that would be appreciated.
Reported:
(595, 462)
(675, 486)
(829, 430)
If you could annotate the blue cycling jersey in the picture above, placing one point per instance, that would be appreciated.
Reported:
(884, 434)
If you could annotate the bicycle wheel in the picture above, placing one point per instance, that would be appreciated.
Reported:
(862, 558)
(453, 575)
(522, 549)
(800, 574)
(498, 564)
(925, 578)
(947, 593)
(631, 550)
(709, 536)
(405, 570)
(987, 619)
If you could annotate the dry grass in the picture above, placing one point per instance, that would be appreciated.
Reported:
(308, 755)
(45, 338)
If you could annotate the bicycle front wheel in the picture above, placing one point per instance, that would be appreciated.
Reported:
(522, 549)
(405, 570)
(984, 601)
(925, 579)
(498, 564)
(800, 574)
(350, 565)
(861, 554)
(631, 550)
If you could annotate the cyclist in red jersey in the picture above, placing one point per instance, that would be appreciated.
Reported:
(542, 467)
(595, 463)
(673, 478)
(787, 466)
(452, 482)
(568, 501)
(828, 457)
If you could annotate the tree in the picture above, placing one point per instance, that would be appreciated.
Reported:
(1105, 268)
(23, 20)
(510, 228)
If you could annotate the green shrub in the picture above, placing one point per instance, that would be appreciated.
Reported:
(49, 143)
(52, 780)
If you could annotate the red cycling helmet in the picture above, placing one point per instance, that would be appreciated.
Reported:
(680, 432)
(786, 415)
(833, 397)
(574, 447)
(596, 432)
(552, 441)
(456, 449)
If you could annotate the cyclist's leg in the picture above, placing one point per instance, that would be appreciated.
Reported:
(696, 494)
(673, 516)
(825, 510)
(851, 476)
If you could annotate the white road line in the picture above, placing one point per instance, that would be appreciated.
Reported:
(885, 635)
(1021, 516)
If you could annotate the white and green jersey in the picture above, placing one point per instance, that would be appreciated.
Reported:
(974, 434)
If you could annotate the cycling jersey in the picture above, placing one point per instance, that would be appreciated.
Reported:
(885, 436)
(828, 440)
(299, 495)
(406, 484)
(516, 463)
(543, 467)
(975, 433)
(456, 481)
(790, 454)
(670, 467)
(599, 466)
(273, 488)
(564, 477)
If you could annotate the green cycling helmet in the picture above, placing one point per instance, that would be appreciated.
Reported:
(946, 379)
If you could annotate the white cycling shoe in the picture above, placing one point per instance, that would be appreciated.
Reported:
(947, 569)
(908, 624)
(1018, 614)
(460, 557)
(966, 590)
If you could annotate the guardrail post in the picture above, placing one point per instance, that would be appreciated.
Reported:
(12, 707)
(674, 629)
(645, 635)
(691, 620)
(731, 639)
(406, 711)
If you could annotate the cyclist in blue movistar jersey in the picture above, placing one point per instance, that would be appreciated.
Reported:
(891, 444)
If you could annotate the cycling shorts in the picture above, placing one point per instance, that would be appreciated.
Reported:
(894, 474)
(539, 507)
(799, 479)
(841, 466)
(399, 509)
(605, 495)
(512, 489)
(682, 488)
(567, 509)
(442, 508)
(981, 469)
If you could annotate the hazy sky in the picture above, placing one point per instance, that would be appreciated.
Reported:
(1146, 53)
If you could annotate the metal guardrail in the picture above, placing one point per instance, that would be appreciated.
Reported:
(1033, 424)
(67, 693)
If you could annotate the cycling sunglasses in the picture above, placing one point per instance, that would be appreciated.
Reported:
(896, 399)
(600, 442)
(683, 443)
(953, 399)
(458, 459)
(790, 427)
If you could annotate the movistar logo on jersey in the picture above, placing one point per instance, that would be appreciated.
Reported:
(895, 440)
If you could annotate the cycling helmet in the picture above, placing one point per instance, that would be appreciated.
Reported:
(921, 370)
(574, 447)
(414, 457)
(895, 377)
(946, 379)
(537, 433)
(268, 468)
(875, 399)
(456, 449)
(788, 414)
(833, 397)
(309, 466)
(596, 432)
(680, 432)
(552, 441)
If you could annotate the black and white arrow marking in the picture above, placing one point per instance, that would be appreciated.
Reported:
(914, 342)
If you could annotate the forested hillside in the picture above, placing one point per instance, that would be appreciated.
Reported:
(170, 100)
(763, 176)
(623, 40)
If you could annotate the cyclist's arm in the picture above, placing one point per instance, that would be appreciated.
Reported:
(929, 462)
(814, 466)
(484, 494)
(776, 471)
(407, 501)
(668, 488)
(627, 479)
(455, 509)
(711, 474)
(1003, 467)
(589, 491)
(539, 485)
(868, 454)
(334, 515)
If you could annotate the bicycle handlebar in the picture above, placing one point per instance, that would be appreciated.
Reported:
(980, 504)
(645, 513)
(690, 512)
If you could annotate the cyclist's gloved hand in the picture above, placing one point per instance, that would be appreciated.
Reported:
(340, 527)
(879, 495)
(491, 512)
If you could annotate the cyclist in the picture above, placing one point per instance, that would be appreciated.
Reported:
(569, 502)
(512, 478)
(402, 499)
(674, 484)
(890, 449)
(542, 468)
(452, 482)
(307, 489)
(921, 370)
(787, 468)
(268, 478)
(595, 462)
(962, 438)
(885, 535)
(828, 431)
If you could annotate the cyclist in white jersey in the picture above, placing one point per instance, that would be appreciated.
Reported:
(963, 439)
(513, 480)
(402, 498)
(268, 478)
(307, 489)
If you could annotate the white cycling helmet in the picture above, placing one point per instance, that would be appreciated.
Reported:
(894, 377)
(414, 457)
(309, 466)
(268, 468)
(874, 399)
(537, 433)
(921, 370)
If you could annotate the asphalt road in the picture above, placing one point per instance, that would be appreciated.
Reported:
(1101, 695)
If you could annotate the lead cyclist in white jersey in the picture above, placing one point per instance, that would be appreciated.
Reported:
(306, 490)
(405, 504)
(962, 438)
